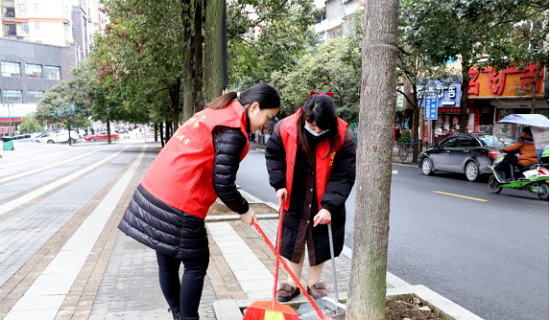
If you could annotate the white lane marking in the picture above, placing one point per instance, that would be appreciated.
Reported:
(394, 172)
(54, 283)
(36, 193)
(42, 169)
(252, 275)
(4, 166)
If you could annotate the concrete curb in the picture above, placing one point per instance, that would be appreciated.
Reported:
(442, 307)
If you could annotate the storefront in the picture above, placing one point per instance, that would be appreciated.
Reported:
(507, 91)
(10, 117)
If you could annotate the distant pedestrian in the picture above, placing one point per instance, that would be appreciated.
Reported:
(92, 129)
(311, 162)
(198, 165)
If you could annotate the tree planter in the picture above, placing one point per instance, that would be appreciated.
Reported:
(442, 307)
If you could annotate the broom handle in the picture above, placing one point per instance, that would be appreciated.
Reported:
(279, 235)
(287, 268)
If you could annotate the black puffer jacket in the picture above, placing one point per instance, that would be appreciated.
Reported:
(174, 232)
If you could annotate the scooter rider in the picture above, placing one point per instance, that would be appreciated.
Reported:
(527, 152)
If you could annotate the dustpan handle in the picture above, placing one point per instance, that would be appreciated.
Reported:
(279, 235)
(287, 268)
(329, 226)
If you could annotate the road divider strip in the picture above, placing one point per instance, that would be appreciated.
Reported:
(44, 168)
(460, 196)
(8, 206)
(52, 286)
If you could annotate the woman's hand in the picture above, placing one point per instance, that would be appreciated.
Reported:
(323, 217)
(282, 195)
(249, 217)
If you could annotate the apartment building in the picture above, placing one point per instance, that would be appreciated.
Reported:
(41, 40)
(336, 18)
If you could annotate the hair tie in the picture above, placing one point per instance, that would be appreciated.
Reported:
(238, 94)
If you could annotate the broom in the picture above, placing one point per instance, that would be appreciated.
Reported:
(273, 310)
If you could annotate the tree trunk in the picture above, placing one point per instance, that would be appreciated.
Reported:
(187, 60)
(374, 170)
(463, 121)
(156, 132)
(213, 68)
(198, 74)
(166, 131)
(108, 132)
(534, 88)
(175, 97)
(161, 136)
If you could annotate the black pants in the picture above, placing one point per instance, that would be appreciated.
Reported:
(186, 295)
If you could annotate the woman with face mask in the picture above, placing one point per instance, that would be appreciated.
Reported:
(311, 162)
(198, 164)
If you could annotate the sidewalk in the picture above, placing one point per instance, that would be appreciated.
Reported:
(62, 256)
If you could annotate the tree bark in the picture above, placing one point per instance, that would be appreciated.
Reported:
(175, 97)
(108, 132)
(198, 74)
(463, 121)
(213, 68)
(374, 170)
(156, 132)
(187, 60)
(161, 136)
(534, 88)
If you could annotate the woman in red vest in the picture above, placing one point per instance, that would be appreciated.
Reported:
(311, 163)
(197, 165)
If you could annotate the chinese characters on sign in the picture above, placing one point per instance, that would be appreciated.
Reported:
(489, 82)
(430, 106)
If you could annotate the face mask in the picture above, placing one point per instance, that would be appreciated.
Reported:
(315, 134)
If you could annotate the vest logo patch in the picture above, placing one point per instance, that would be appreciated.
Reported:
(332, 155)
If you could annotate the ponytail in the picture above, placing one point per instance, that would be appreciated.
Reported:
(265, 95)
(223, 101)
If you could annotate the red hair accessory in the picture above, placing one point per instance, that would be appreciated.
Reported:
(330, 94)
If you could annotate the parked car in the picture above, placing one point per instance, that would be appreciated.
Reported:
(469, 154)
(23, 138)
(102, 135)
(56, 137)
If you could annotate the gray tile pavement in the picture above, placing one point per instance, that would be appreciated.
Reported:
(26, 232)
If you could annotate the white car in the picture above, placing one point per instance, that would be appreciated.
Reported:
(59, 137)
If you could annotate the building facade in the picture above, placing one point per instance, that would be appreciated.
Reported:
(40, 41)
(336, 18)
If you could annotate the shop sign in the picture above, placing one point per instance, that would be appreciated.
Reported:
(509, 83)
(10, 119)
(430, 106)
(448, 94)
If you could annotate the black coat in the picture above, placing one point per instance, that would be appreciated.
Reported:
(174, 232)
(338, 188)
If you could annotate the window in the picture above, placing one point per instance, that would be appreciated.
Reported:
(9, 12)
(91, 38)
(13, 96)
(65, 12)
(449, 143)
(334, 9)
(52, 73)
(89, 12)
(36, 25)
(11, 69)
(25, 27)
(66, 26)
(23, 9)
(34, 96)
(36, 7)
(33, 70)
(10, 30)
(463, 142)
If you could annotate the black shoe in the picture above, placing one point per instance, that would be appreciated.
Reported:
(175, 312)
(180, 317)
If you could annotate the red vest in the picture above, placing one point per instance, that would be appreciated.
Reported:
(323, 164)
(181, 175)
